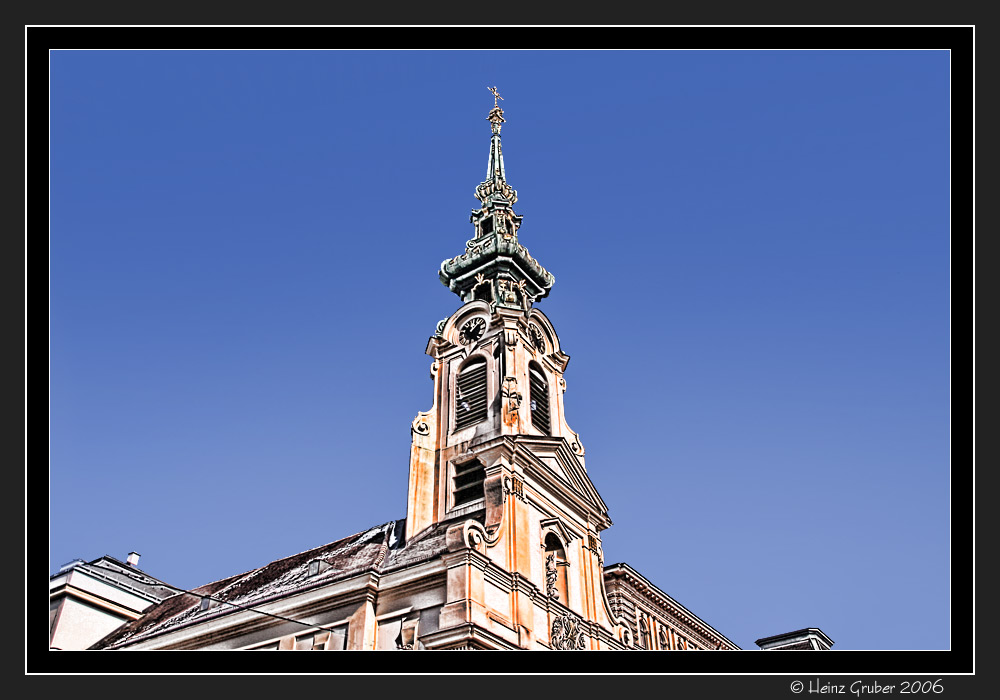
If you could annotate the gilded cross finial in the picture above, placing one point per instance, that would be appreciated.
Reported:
(496, 95)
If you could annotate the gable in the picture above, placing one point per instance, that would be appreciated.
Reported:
(551, 462)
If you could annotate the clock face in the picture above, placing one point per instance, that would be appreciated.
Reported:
(472, 330)
(537, 339)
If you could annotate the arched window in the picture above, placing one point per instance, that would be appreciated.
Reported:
(470, 394)
(645, 640)
(539, 396)
(555, 569)
(664, 641)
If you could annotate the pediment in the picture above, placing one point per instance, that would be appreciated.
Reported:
(554, 464)
(559, 527)
(559, 469)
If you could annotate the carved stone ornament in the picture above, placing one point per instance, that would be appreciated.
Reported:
(551, 574)
(478, 246)
(469, 534)
(567, 634)
(512, 401)
(419, 425)
(513, 486)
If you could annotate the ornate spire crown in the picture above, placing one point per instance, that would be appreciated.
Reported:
(495, 187)
(495, 267)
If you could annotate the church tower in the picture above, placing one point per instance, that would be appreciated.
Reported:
(495, 453)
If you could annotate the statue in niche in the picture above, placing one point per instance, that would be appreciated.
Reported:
(551, 574)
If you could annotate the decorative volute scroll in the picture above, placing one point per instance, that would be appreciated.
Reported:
(471, 534)
(420, 424)
(575, 444)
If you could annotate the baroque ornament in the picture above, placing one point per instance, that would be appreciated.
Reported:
(567, 634)
(494, 250)
(512, 401)
(513, 486)
(507, 293)
(419, 425)
(480, 280)
(551, 574)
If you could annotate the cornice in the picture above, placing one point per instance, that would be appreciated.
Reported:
(411, 575)
(96, 572)
(466, 633)
(693, 625)
(68, 591)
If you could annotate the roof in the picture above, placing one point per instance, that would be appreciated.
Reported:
(379, 548)
(123, 576)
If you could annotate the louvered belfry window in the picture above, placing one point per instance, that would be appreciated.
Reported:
(539, 400)
(470, 394)
(469, 478)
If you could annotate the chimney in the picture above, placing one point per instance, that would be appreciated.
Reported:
(133, 559)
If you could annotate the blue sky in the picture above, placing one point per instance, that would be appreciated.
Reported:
(751, 254)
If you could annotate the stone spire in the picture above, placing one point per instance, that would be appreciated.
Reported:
(495, 267)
